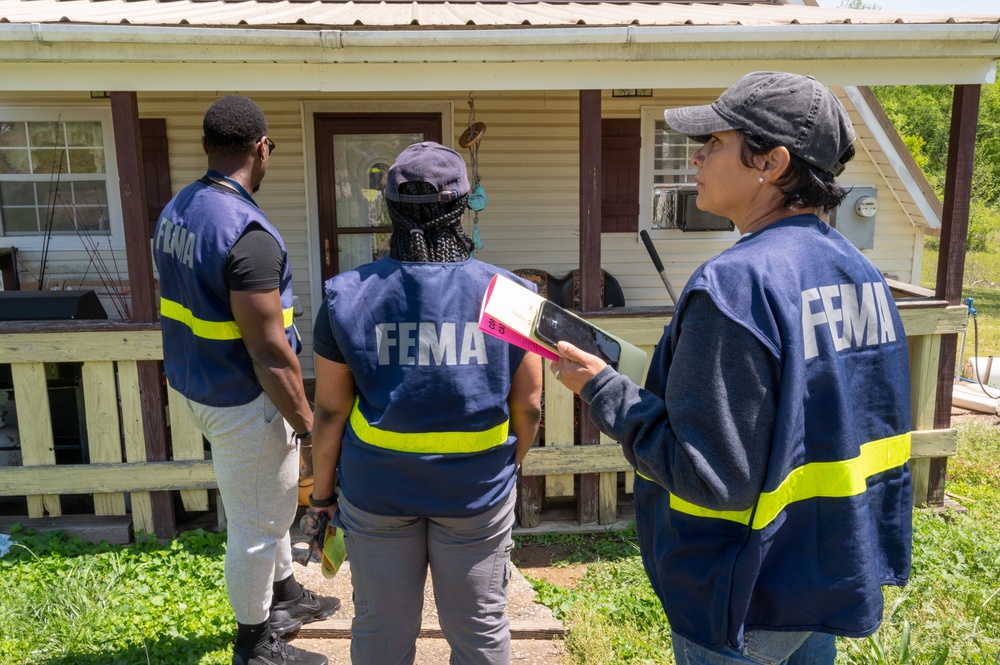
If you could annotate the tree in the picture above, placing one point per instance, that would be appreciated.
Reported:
(922, 116)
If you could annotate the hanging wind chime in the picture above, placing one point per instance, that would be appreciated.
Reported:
(469, 140)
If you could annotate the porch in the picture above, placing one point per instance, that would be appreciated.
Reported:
(566, 484)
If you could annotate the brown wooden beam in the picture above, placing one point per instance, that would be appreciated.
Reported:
(588, 485)
(132, 183)
(951, 261)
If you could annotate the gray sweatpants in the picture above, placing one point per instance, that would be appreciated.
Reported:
(256, 466)
(469, 559)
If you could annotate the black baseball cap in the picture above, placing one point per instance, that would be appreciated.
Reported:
(790, 110)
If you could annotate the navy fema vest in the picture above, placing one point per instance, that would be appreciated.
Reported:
(833, 521)
(429, 432)
(203, 352)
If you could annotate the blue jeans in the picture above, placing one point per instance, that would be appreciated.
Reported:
(762, 647)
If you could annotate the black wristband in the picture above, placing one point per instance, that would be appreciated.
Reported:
(303, 437)
(322, 503)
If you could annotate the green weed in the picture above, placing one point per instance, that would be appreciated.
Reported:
(86, 604)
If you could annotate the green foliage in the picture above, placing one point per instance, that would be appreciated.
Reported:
(857, 4)
(982, 284)
(984, 226)
(84, 604)
(922, 116)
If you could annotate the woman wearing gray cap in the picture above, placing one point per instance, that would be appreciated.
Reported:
(423, 419)
(771, 440)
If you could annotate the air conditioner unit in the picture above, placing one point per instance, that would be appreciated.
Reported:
(674, 208)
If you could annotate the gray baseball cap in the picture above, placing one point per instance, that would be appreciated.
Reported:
(790, 110)
(431, 163)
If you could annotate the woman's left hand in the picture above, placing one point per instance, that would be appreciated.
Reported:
(575, 367)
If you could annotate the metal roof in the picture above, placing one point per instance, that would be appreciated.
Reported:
(456, 14)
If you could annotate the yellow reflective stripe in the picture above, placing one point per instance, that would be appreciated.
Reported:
(217, 330)
(682, 506)
(834, 479)
(428, 442)
(819, 479)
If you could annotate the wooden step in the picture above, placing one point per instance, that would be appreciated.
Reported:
(519, 630)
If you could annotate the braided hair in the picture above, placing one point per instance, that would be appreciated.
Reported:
(428, 232)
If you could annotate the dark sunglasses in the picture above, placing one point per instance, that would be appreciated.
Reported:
(270, 145)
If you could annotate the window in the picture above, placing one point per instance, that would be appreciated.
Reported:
(672, 168)
(56, 171)
(667, 173)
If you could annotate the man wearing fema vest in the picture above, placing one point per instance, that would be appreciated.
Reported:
(230, 349)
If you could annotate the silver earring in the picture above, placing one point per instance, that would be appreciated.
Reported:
(760, 179)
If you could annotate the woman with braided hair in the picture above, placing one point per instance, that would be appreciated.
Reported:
(423, 420)
(428, 231)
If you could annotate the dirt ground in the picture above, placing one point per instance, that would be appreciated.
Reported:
(546, 562)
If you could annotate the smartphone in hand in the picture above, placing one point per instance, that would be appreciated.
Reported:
(554, 324)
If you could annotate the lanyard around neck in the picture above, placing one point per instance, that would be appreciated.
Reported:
(215, 175)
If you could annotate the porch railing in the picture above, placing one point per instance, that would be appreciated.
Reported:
(120, 478)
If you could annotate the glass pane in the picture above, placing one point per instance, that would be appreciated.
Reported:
(44, 134)
(62, 220)
(672, 156)
(90, 194)
(17, 194)
(87, 134)
(13, 134)
(48, 161)
(86, 161)
(91, 219)
(52, 193)
(360, 162)
(14, 161)
(19, 220)
(357, 249)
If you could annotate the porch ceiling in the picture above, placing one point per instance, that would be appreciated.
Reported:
(408, 46)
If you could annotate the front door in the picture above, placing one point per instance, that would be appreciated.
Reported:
(353, 155)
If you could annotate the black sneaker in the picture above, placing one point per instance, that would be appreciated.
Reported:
(275, 651)
(288, 616)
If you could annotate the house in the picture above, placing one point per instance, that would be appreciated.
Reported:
(103, 102)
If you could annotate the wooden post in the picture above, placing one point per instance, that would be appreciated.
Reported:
(590, 269)
(951, 261)
(132, 181)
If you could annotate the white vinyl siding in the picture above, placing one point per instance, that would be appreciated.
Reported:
(528, 163)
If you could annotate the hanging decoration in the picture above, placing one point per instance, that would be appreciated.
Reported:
(469, 140)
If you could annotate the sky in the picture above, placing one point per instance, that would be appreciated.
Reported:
(988, 7)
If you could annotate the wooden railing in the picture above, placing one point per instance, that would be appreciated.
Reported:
(113, 414)
(118, 465)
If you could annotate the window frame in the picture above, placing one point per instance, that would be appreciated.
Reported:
(650, 115)
(70, 242)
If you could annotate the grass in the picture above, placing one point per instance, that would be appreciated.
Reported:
(67, 602)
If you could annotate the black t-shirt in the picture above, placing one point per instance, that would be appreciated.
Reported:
(254, 262)
(324, 344)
